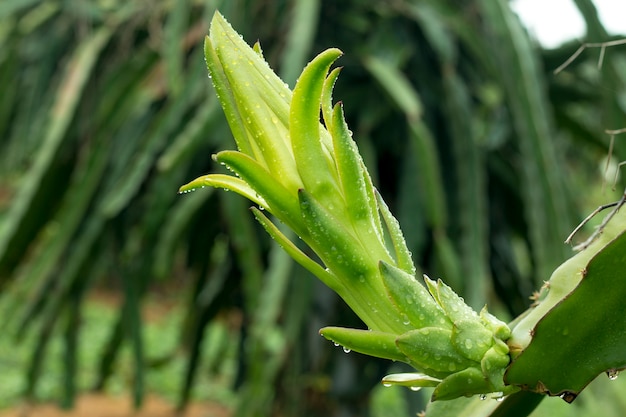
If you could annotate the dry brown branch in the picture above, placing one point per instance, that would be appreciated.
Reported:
(601, 45)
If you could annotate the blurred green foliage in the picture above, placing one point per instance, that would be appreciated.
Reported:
(487, 159)
(161, 333)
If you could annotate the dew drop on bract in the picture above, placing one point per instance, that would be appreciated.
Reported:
(612, 374)
(482, 397)
(387, 384)
(415, 388)
(346, 350)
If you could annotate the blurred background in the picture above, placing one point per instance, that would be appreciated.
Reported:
(112, 283)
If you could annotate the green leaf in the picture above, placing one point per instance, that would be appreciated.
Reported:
(351, 171)
(232, 63)
(543, 187)
(293, 251)
(356, 187)
(266, 128)
(227, 182)
(368, 342)
(412, 299)
(78, 68)
(314, 163)
(281, 202)
(412, 380)
(467, 382)
(431, 350)
(226, 97)
(471, 339)
(453, 305)
(335, 244)
(403, 255)
(396, 85)
(327, 98)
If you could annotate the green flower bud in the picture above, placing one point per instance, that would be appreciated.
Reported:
(310, 176)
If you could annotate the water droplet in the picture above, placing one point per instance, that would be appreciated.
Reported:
(387, 384)
(500, 399)
(482, 397)
(568, 397)
(336, 344)
(612, 374)
(415, 388)
(346, 350)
